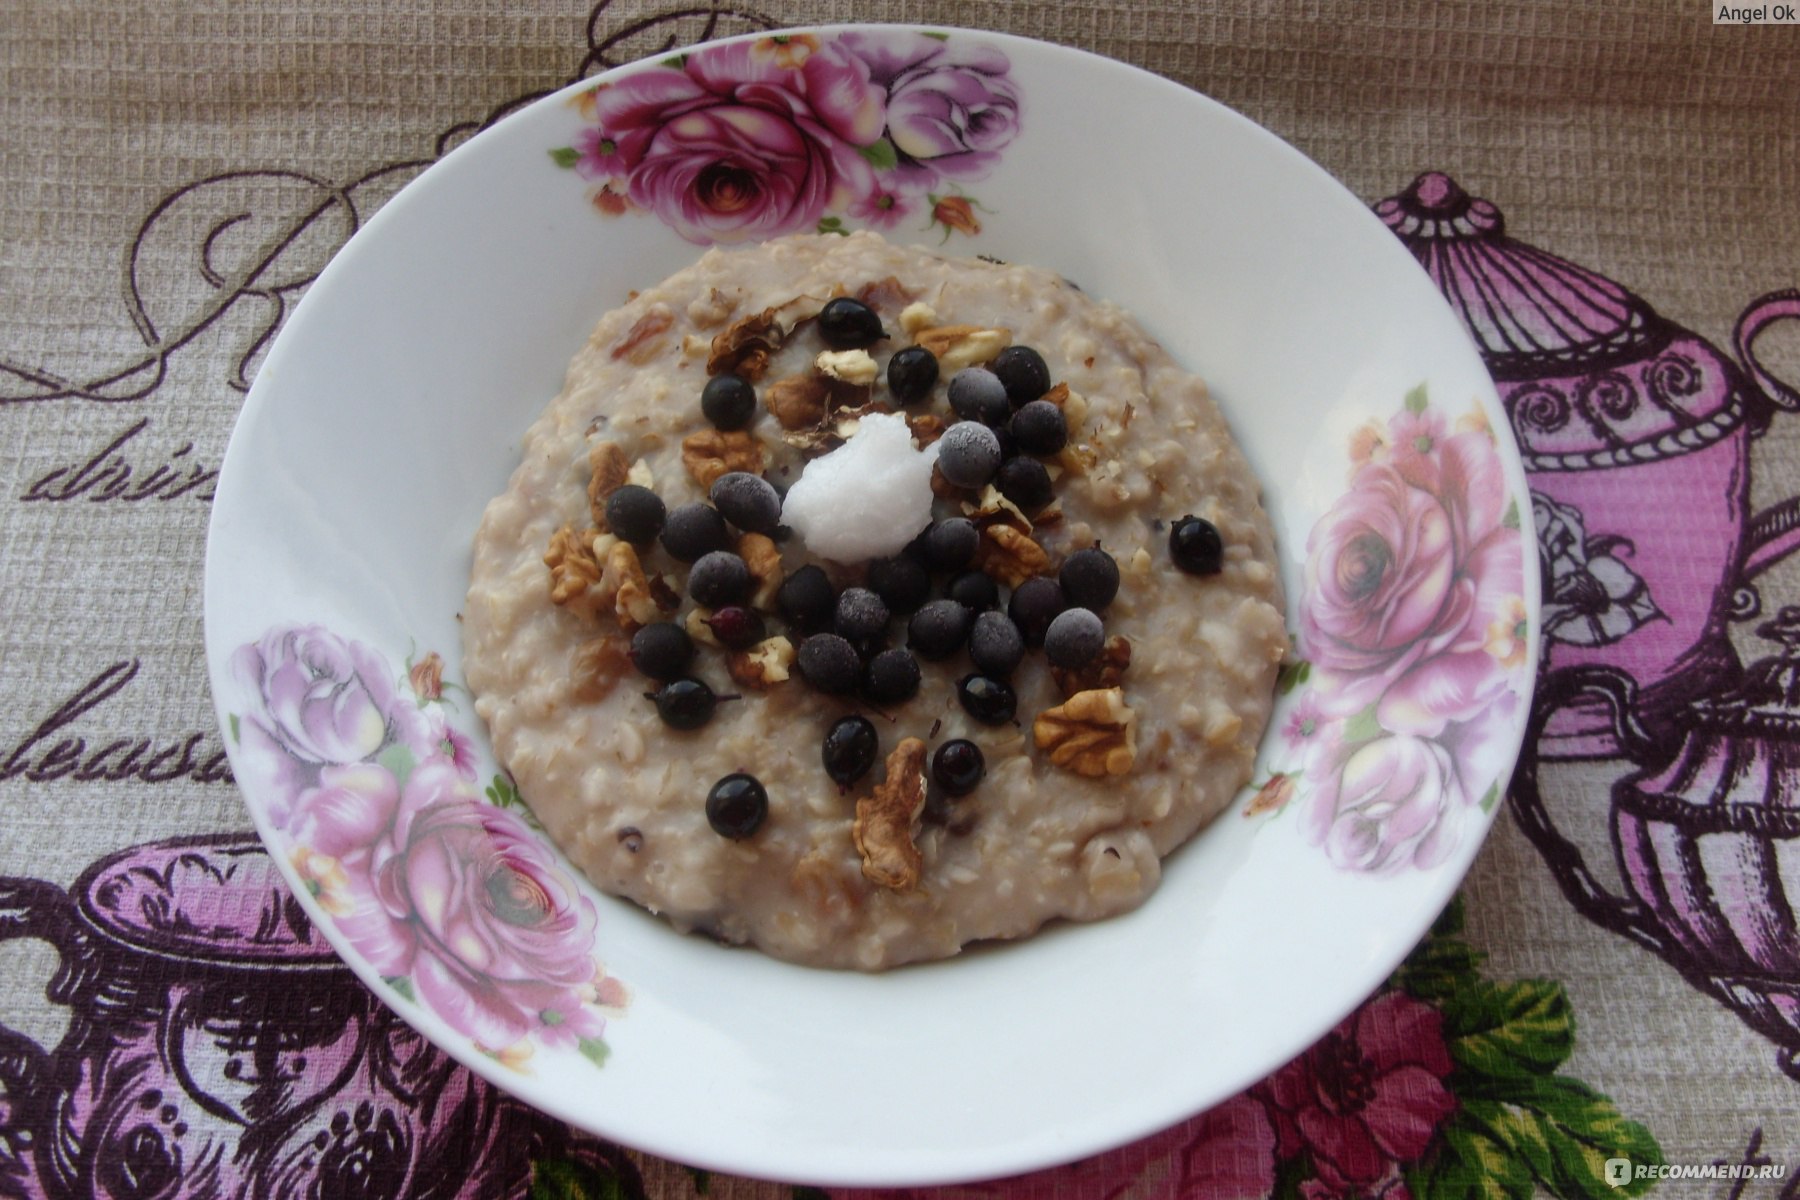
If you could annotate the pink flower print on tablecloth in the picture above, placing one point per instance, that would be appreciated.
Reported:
(1366, 1099)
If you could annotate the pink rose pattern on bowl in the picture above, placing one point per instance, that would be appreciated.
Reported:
(1413, 641)
(800, 132)
(443, 887)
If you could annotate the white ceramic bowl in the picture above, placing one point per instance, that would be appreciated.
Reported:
(389, 412)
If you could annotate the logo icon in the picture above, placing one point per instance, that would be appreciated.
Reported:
(1618, 1171)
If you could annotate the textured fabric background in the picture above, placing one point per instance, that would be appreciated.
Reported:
(1636, 138)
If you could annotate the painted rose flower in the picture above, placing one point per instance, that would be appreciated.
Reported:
(740, 141)
(1404, 577)
(951, 107)
(1366, 1098)
(1591, 597)
(454, 895)
(1385, 803)
(320, 698)
(777, 135)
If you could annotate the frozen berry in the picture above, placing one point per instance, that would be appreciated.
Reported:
(911, 374)
(1196, 547)
(719, 578)
(1025, 482)
(1074, 638)
(861, 615)
(892, 677)
(747, 501)
(1090, 578)
(662, 650)
(976, 394)
(902, 583)
(974, 590)
(728, 401)
(936, 630)
(968, 454)
(958, 766)
(737, 806)
(849, 324)
(1035, 603)
(830, 664)
(990, 701)
(849, 749)
(685, 703)
(737, 627)
(694, 530)
(950, 544)
(1024, 373)
(807, 600)
(1040, 429)
(636, 514)
(996, 645)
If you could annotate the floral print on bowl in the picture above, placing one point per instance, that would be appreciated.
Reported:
(801, 132)
(445, 888)
(1414, 642)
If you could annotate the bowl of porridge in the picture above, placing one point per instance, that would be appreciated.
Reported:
(833, 606)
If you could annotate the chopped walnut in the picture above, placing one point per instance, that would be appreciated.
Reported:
(715, 452)
(917, 316)
(763, 665)
(887, 821)
(993, 508)
(851, 366)
(633, 600)
(697, 628)
(797, 402)
(1092, 733)
(763, 557)
(1009, 555)
(598, 665)
(711, 309)
(1107, 670)
(573, 570)
(926, 427)
(610, 470)
(643, 341)
(1058, 394)
(959, 346)
(889, 294)
(746, 345)
(942, 488)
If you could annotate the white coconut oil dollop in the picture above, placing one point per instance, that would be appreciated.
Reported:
(866, 499)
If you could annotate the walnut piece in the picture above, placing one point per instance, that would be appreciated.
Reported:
(711, 309)
(887, 293)
(598, 665)
(917, 316)
(763, 558)
(611, 471)
(1107, 670)
(959, 346)
(633, 600)
(746, 345)
(643, 341)
(797, 402)
(1092, 733)
(715, 452)
(763, 665)
(573, 570)
(850, 366)
(926, 428)
(1010, 555)
(887, 820)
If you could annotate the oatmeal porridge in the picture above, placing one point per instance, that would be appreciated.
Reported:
(859, 603)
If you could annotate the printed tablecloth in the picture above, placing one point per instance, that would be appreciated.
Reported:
(1608, 194)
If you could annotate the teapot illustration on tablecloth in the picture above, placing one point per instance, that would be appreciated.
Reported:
(1636, 438)
(218, 1047)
